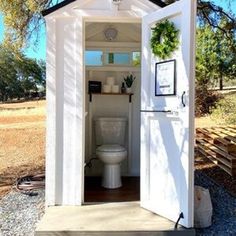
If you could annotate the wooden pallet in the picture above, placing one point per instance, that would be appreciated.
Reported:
(219, 145)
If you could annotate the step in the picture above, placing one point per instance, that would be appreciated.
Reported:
(107, 219)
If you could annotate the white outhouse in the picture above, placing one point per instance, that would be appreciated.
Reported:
(104, 40)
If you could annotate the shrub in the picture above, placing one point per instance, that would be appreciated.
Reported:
(225, 110)
(205, 100)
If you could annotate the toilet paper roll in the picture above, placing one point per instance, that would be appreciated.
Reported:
(106, 88)
(110, 81)
(115, 88)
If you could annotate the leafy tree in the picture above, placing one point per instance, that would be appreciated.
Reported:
(22, 19)
(19, 75)
(215, 59)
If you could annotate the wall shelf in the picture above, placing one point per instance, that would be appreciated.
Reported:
(111, 94)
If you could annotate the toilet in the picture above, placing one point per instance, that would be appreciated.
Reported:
(110, 138)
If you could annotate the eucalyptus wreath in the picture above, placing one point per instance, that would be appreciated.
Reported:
(165, 39)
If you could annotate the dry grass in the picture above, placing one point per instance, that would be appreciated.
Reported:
(22, 141)
(205, 121)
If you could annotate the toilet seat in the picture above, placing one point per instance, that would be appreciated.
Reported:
(111, 148)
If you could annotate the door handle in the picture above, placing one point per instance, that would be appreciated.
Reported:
(182, 99)
(156, 111)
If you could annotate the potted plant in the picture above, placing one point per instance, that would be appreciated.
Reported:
(129, 79)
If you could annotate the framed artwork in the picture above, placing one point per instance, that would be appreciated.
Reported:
(165, 78)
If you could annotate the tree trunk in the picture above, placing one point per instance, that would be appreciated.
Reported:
(221, 82)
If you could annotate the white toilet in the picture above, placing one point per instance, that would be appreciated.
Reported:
(110, 137)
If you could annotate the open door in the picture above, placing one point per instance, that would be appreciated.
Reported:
(167, 120)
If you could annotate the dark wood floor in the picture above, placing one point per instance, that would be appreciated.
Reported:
(94, 192)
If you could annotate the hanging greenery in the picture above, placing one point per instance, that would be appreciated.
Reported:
(165, 39)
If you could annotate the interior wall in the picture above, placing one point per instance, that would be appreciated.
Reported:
(112, 105)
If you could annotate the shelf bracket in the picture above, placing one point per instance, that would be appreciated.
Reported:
(130, 98)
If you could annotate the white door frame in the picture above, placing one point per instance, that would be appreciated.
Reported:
(93, 19)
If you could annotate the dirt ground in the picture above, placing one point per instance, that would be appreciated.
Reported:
(22, 141)
(22, 145)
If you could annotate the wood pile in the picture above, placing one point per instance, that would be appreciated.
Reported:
(219, 145)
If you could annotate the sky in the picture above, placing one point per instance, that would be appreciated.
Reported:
(39, 51)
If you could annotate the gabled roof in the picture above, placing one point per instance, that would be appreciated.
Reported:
(67, 2)
(56, 7)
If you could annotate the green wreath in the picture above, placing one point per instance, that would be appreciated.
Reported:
(165, 39)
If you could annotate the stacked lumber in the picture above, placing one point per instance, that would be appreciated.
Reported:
(219, 145)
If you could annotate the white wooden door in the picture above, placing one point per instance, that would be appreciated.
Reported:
(167, 122)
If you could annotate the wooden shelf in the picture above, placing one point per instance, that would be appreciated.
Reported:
(119, 94)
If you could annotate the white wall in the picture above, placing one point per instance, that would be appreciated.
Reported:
(128, 39)
(65, 105)
(112, 105)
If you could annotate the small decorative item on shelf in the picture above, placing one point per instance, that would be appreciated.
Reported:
(115, 88)
(129, 79)
(106, 88)
(94, 86)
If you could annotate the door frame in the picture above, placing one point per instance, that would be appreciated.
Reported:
(94, 19)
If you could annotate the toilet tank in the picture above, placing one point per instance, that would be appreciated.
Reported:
(110, 130)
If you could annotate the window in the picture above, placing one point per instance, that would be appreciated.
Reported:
(117, 58)
(101, 58)
(93, 58)
(136, 58)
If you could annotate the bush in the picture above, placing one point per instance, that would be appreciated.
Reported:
(205, 100)
(224, 112)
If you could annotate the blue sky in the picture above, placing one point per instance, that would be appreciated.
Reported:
(39, 51)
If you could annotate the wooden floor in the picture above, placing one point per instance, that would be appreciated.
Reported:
(94, 192)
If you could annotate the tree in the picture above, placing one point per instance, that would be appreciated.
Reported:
(215, 59)
(22, 19)
(19, 75)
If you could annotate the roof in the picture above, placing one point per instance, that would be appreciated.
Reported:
(67, 2)
(56, 7)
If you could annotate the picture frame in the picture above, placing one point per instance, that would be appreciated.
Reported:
(165, 78)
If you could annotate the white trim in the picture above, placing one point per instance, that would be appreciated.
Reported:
(120, 45)
(192, 29)
(80, 111)
(51, 109)
(140, 8)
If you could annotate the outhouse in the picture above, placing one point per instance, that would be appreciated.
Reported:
(93, 47)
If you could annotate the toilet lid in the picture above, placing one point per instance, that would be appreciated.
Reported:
(111, 148)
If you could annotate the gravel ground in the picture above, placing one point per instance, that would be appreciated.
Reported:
(224, 208)
(19, 213)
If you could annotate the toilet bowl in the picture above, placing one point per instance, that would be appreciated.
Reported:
(112, 156)
(110, 137)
